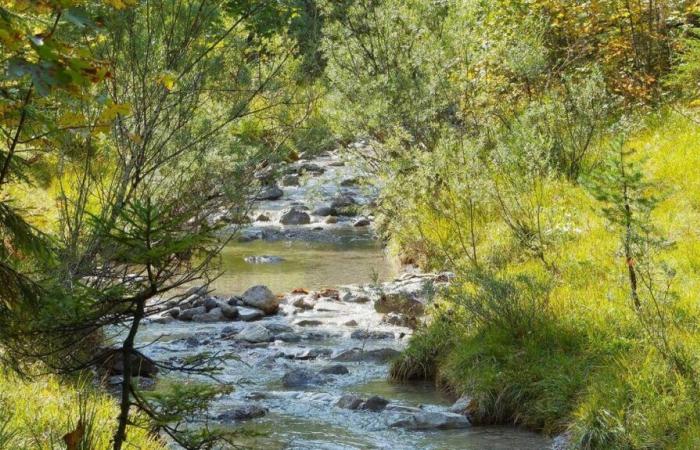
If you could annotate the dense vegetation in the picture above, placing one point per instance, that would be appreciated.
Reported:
(545, 151)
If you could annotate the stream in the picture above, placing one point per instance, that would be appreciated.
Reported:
(317, 331)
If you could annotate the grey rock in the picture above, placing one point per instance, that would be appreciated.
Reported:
(400, 301)
(249, 314)
(351, 323)
(303, 303)
(188, 314)
(313, 353)
(255, 333)
(301, 378)
(323, 211)
(311, 167)
(335, 369)
(349, 401)
(290, 180)
(365, 334)
(432, 421)
(215, 315)
(262, 298)
(229, 312)
(211, 303)
(242, 413)
(309, 323)
(375, 404)
(262, 218)
(400, 320)
(380, 355)
(361, 222)
(288, 337)
(295, 216)
(270, 192)
(278, 327)
(342, 201)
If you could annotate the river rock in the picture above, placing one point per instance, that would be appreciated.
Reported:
(309, 323)
(188, 314)
(323, 211)
(270, 192)
(335, 369)
(361, 222)
(400, 302)
(295, 216)
(312, 168)
(215, 315)
(465, 406)
(432, 421)
(290, 180)
(211, 303)
(313, 353)
(112, 362)
(401, 320)
(262, 298)
(331, 220)
(288, 337)
(278, 327)
(249, 314)
(374, 334)
(197, 291)
(229, 312)
(242, 413)
(351, 323)
(355, 297)
(262, 218)
(379, 355)
(374, 403)
(301, 378)
(349, 401)
(303, 303)
(255, 333)
(342, 201)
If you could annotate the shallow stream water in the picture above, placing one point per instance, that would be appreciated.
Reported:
(308, 418)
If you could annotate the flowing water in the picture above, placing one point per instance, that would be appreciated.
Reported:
(308, 418)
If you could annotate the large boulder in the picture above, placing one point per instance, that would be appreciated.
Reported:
(296, 378)
(432, 421)
(242, 413)
(270, 192)
(295, 216)
(255, 333)
(262, 298)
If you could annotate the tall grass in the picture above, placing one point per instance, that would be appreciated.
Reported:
(38, 414)
(578, 360)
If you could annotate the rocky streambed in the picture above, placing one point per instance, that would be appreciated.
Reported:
(309, 363)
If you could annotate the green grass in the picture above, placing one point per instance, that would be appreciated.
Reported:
(582, 363)
(37, 414)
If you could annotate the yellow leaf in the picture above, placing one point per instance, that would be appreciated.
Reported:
(167, 80)
(113, 110)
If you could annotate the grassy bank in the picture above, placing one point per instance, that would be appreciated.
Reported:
(549, 338)
(38, 414)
